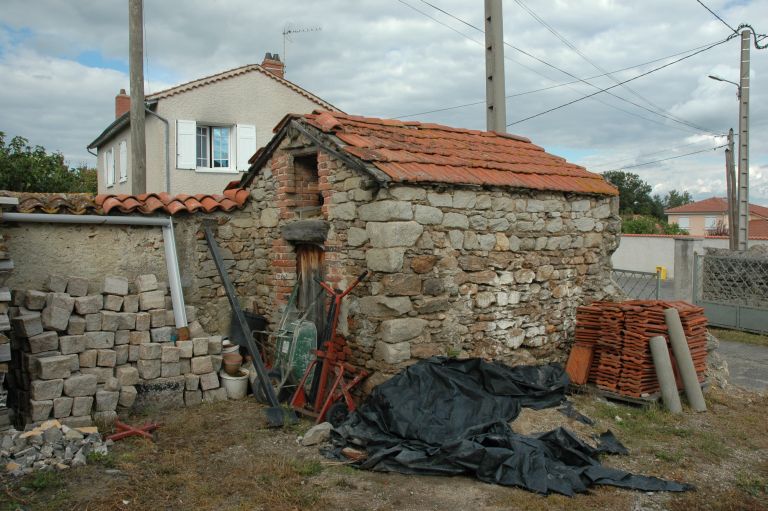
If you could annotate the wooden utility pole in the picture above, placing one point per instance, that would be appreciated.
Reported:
(743, 225)
(136, 69)
(496, 110)
(730, 181)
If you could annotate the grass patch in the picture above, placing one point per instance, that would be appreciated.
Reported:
(105, 460)
(738, 336)
(48, 480)
(307, 468)
(754, 484)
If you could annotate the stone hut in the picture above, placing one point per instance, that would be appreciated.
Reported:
(478, 243)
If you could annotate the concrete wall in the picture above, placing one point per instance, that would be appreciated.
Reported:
(92, 252)
(645, 252)
(252, 98)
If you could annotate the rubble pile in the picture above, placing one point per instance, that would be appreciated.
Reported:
(49, 446)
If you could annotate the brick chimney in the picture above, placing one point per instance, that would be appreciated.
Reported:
(122, 103)
(273, 64)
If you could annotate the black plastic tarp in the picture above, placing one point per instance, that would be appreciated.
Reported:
(446, 416)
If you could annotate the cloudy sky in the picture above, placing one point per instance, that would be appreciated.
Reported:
(61, 63)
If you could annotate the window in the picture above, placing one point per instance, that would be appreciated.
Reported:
(684, 222)
(710, 223)
(109, 168)
(209, 148)
(123, 161)
(212, 147)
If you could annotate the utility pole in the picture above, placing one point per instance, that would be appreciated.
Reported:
(743, 225)
(136, 69)
(730, 181)
(496, 110)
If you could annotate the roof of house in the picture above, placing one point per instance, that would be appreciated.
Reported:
(231, 73)
(414, 152)
(124, 120)
(713, 205)
(145, 204)
(758, 228)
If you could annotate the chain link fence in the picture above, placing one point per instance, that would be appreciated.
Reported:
(638, 285)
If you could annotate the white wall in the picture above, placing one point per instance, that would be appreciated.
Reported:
(251, 98)
(644, 252)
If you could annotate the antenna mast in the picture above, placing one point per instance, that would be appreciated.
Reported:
(288, 31)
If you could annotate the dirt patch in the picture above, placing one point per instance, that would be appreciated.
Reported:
(222, 456)
(539, 421)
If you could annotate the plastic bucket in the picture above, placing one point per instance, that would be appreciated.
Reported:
(236, 386)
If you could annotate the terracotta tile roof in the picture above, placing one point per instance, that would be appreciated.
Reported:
(145, 204)
(424, 152)
(231, 73)
(714, 205)
(758, 228)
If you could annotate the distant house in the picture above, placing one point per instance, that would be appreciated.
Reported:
(200, 134)
(703, 217)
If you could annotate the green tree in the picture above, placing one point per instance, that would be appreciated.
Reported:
(675, 199)
(642, 224)
(24, 168)
(634, 193)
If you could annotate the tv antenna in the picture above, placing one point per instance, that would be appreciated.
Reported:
(288, 32)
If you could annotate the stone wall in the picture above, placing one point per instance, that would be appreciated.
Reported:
(79, 355)
(461, 271)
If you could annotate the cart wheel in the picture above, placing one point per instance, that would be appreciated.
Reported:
(337, 413)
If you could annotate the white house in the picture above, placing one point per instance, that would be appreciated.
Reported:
(200, 134)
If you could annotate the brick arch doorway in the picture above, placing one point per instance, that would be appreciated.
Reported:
(311, 297)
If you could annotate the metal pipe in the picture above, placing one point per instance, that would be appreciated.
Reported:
(167, 149)
(169, 241)
(684, 361)
(663, 365)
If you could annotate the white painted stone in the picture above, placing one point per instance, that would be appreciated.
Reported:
(428, 215)
(387, 260)
(385, 211)
(393, 234)
(356, 236)
(401, 329)
(392, 353)
(455, 220)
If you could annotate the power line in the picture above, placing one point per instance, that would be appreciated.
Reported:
(618, 84)
(545, 88)
(641, 156)
(666, 159)
(718, 17)
(572, 47)
(542, 61)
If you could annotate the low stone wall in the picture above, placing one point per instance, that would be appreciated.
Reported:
(80, 356)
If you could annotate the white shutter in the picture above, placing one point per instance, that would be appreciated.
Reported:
(123, 161)
(111, 167)
(105, 166)
(246, 144)
(186, 148)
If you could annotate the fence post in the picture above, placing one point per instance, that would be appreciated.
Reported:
(684, 254)
(658, 283)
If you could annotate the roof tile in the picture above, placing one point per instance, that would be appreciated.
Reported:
(714, 205)
(144, 204)
(427, 152)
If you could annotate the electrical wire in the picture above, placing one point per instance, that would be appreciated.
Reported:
(617, 85)
(641, 156)
(545, 88)
(666, 159)
(659, 110)
(694, 129)
(542, 61)
(716, 16)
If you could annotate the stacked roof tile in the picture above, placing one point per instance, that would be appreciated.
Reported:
(145, 204)
(616, 336)
(431, 153)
